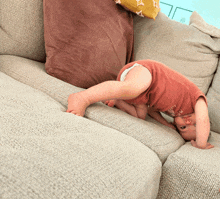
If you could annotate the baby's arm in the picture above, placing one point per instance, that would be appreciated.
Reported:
(202, 124)
(158, 117)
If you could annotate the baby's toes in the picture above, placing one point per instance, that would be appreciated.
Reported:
(111, 103)
(105, 102)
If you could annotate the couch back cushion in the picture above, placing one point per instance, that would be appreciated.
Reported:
(21, 29)
(213, 98)
(181, 47)
(87, 42)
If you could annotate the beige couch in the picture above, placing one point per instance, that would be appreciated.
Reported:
(48, 153)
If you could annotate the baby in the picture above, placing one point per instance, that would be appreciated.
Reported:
(149, 87)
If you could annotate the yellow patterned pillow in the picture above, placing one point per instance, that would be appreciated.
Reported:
(143, 8)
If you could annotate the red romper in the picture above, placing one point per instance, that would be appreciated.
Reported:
(170, 92)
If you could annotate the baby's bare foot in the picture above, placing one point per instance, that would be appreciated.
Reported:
(77, 104)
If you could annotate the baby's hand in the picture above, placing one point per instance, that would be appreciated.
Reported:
(77, 104)
(208, 145)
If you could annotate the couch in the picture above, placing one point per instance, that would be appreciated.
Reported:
(48, 153)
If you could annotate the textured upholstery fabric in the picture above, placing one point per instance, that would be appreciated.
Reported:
(48, 153)
(33, 73)
(161, 139)
(192, 173)
(87, 42)
(157, 137)
(181, 47)
(21, 29)
(213, 98)
(197, 21)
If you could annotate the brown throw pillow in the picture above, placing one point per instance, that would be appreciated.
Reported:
(87, 42)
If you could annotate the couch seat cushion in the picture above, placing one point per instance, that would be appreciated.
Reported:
(192, 173)
(162, 140)
(48, 153)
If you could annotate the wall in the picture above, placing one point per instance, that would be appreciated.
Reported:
(181, 10)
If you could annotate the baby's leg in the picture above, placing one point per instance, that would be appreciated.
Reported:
(137, 81)
(141, 110)
(127, 108)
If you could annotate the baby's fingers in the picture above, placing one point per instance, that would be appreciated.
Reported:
(208, 145)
